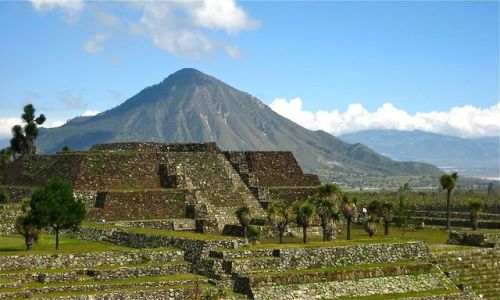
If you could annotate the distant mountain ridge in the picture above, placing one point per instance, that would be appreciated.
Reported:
(189, 106)
(478, 157)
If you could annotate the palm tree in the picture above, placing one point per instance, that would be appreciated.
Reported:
(279, 215)
(305, 215)
(349, 210)
(326, 210)
(475, 207)
(243, 214)
(371, 225)
(330, 191)
(448, 183)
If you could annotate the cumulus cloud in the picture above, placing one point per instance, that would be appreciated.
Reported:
(6, 125)
(182, 28)
(71, 100)
(70, 8)
(90, 113)
(95, 44)
(465, 121)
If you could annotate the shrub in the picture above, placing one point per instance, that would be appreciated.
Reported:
(4, 197)
(254, 234)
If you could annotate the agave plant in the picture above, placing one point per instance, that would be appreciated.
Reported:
(349, 210)
(243, 214)
(27, 226)
(475, 207)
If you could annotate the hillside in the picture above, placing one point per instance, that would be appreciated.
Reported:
(189, 106)
(479, 157)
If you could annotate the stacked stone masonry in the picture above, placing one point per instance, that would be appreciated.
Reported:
(141, 181)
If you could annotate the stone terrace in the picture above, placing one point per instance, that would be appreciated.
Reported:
(144, 181)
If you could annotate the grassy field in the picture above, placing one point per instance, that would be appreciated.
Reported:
(435, 238)
(14, 245)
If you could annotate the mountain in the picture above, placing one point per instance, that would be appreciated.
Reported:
(189, 106)
(479, 157)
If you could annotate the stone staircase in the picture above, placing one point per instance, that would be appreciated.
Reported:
(476, 270)
(133, 276)
(218, 189)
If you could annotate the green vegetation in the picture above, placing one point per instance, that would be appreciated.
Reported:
(23, 138)
(328, 213)
(243, 215)
(4, 197)
(349, 210)
(448, 183)
(305, 213)
(254, 234)
(55, 206)
(14, 245)
(476, 207)
(279, 215)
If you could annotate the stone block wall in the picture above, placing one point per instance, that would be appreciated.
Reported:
(136, 205)
(35, 170)
(471, 238)
(270, 169)
(158, 147)
(87, 260)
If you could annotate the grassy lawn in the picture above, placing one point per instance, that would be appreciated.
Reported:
(435, 238)
(14, 245)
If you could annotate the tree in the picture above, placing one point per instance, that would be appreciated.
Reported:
(279, 215)
(382, 210)
(330, 191)
(254, 234)
(448, 183)
(243, 214)
(23, 138)
(326, 210)
(65, 148)
(349, 210)
(305, 215)
(371, 225)
(55, 206)
(387, 215)
(475, 207)
(29, 228)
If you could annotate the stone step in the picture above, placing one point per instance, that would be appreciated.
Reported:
(130, 283)
(185, 291)
(99, 274)
(249, 280)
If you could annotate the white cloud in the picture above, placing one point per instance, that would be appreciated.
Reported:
(95, 44)
(71, 8)
(6, 125)
(222, 14)
(182, 28)
(465, 121)
(90, 113)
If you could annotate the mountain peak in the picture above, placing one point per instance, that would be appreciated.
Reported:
(188, 76)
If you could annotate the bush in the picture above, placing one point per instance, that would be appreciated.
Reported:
(254, 234)
(4, 197)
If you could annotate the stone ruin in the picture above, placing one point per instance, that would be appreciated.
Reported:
(147, 181)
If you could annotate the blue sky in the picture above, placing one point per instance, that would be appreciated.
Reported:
(338, 66)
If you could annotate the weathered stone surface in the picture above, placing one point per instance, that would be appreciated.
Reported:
(474, 238)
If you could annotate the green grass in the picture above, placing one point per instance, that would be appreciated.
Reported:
(14, 245)
(358, 236)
